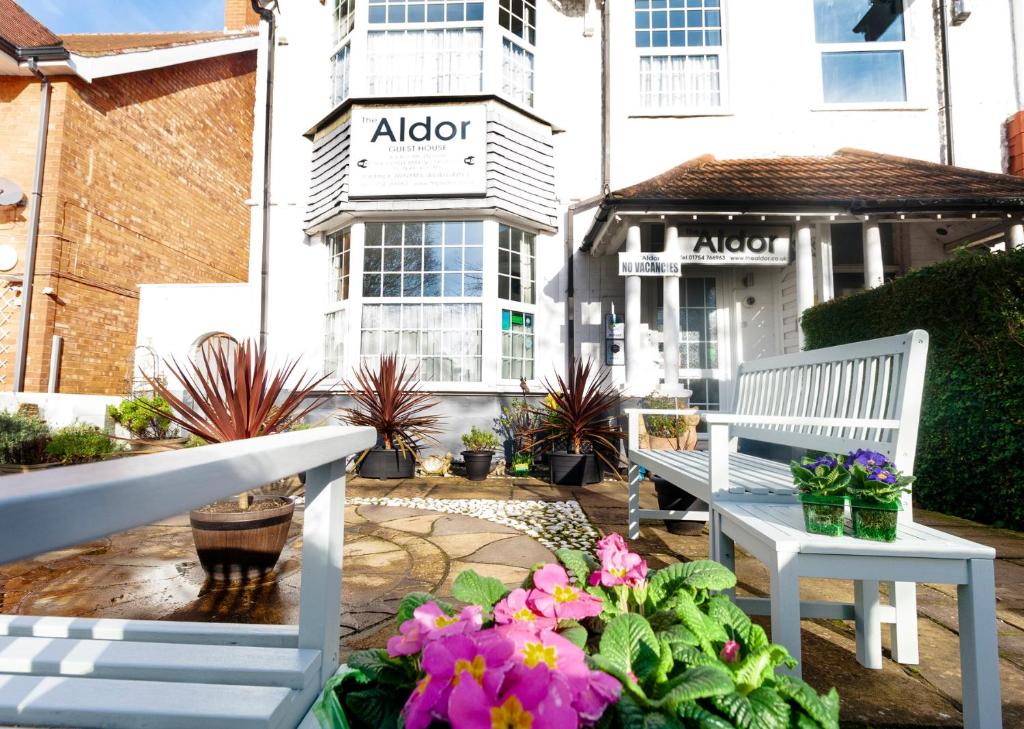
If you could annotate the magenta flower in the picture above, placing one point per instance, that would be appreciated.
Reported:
(730, 651)
(515, 609)
(619, 566)
(429, 622)
(530, 698)
(554, 597)
(478, 658)
(590, 691)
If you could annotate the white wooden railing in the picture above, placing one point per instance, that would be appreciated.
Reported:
(53, 509)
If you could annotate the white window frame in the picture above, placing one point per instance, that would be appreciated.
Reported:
(722, 51)
(820, 49)
(504, 35)
(339, 44)
(513, 305)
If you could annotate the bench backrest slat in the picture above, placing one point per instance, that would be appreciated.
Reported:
(880, 379)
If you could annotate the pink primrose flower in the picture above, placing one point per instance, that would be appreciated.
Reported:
(554, 597)
(530, 698)
(730, 651)
(515, 609)
(429, 622)
(619, 566)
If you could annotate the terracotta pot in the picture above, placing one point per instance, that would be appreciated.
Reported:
(8, 468)
(241, 544)
(156, 444)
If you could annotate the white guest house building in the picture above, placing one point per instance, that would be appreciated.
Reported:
(488, 187)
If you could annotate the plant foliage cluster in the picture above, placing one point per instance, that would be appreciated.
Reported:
(865, 476)
(681, 655)
(79, 443)
(972, 419)
(28, 440)
(143, 417)
(664, 426)
(478, 439)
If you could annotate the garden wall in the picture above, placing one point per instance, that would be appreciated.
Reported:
(970, 453)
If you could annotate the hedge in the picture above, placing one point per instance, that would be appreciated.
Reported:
(970, 451)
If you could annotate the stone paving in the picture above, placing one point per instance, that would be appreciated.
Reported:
(152, 573)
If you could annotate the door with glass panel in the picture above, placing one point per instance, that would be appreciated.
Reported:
(700, 335)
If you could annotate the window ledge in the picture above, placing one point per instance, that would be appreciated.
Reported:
(879, 106)
(679, 113)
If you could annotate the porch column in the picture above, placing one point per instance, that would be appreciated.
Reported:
(804, 275)
(633, 364)
(826, 288)
(1015, 236)
(874, 271)
(670, 318)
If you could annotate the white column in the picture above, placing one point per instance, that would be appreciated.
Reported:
(874, 271)
(826, 287)
(633, 343)
(670, 318)
(804, 274)
(1015, 237)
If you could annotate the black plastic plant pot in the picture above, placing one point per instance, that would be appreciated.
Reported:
(875, 521)
(673, 498)
(478, 464)
(384, 463)
(823, 514)
(573, 469)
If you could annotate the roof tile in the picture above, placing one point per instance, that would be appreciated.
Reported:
(108, 44)
(21, 30)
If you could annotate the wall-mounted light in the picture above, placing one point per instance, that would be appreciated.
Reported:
(961, 12)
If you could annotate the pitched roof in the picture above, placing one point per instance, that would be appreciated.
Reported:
(21, 30)
(108, 44)
(853, 179)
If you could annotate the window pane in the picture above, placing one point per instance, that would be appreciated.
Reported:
(850, 21)
(863, 76)
(424, 61)
(680, 81)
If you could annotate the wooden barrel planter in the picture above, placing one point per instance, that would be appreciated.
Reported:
(242, 544)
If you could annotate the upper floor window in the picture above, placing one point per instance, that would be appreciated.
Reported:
(681, 49)
(338, 245)
(520, 18)
(862, 45)
(344, 18)
(340, 74)
(424, 61)
(516, 278)
(422, 11)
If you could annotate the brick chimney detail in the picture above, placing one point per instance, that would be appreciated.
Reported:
(1015, 143)
(239, 15)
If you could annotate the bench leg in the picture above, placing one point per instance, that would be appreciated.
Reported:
(979, 648)
(867, 609)
(721, 548)
(635, 476)
(903, 597)
(785, 594)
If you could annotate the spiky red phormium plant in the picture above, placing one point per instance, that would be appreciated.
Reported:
(389, 400)
(235, 395)
(576, 414)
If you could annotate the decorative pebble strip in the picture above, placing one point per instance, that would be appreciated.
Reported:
(555, 524)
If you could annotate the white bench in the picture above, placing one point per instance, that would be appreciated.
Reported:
(75, 672)
(863, 395)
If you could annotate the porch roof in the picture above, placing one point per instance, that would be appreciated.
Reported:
(850, 181)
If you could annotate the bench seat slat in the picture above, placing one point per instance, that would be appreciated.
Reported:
(174, 662)
(747, 474)
(151, 631)
(116, 704)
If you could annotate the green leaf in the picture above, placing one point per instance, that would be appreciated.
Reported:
(701, 574)
(756, 667)
(691, 656)
(377, 666)
(578, 563)
(631, 713)
(328, 709)
(703, 718)
(678, 634)
(726, 612)
(700, 682)
(629, 643)
(662, 721)
(703, 628)
(573, 632)
(760, 709)
(483, 591)
(375, 707)
(665, 663)
(413, 600)
(822, 709)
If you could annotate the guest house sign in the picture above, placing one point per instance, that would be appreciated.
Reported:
(418, 151)
(713, 246)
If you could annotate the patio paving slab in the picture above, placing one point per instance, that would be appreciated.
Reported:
(152, 573)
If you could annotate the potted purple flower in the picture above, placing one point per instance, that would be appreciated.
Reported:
(822, 483)
(875, 489)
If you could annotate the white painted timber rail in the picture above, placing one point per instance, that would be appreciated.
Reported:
(77, 672)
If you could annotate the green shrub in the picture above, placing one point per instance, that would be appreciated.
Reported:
(79, 443)
(480, 440)
(970, 451)
(23, 439)
(143, 417)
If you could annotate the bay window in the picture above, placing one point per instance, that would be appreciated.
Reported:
(343, 15)
(425, 61)
(516, 345)
(516, 278)
(339, 247)
(862, 47)
(518, 22)
(681, 52)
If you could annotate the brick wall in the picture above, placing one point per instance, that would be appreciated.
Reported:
(152, 171)
(238, 14)
(1015, 143)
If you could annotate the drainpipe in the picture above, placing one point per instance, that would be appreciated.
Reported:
(946, 97)
(21, 356)
(268, 15)
(606, 97)
(1017, 39)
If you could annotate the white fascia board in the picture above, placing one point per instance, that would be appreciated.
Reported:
(94, 67)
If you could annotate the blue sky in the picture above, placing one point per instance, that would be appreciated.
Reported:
(123, 16)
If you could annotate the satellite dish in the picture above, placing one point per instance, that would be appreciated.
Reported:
(10, 193)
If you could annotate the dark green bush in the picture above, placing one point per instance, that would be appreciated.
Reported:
(79, 443)
(970, 451)
(23, 439)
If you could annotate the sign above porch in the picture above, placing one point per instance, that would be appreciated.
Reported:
(713, 245)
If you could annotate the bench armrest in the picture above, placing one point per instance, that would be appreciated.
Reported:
(798, 421)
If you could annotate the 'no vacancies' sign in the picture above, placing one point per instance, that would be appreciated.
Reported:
(713, 246)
